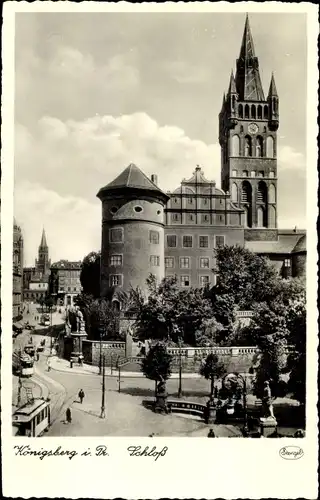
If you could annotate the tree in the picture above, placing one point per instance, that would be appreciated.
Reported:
(211, 369)
(90, 274)
(104, 320)
(157, 363)
(279, 326)
(171, 313)
(243, 278)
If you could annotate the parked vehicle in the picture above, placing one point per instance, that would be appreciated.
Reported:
(22, 364)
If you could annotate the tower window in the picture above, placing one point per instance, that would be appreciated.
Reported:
(266, 112)
(185, 280)
(241, 128)
(116, 235)
(184, 262)
(154, 237)
(259, 147)
(187, 242)
(245, 173)
(171, 240)
(115, 279)
(113, 210)
(260, 173)
(116, 260)
(260, 112)
(246, 193)
(246, 111)
(154, 260)
(247, 146)
(253, 111)
(138, 209)
(262, 193)
(240, 111)
(203, 241)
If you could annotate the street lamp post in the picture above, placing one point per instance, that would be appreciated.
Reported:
(103, 413)
(50, 330)
(180, 370)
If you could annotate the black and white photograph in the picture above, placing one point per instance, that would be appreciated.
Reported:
(161, 227)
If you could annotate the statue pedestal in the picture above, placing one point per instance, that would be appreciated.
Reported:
(211, 413)
(77, 338)
(267, 426)
(161, 402)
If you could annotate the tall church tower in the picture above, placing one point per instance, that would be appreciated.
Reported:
(43, 262)
(248, 126)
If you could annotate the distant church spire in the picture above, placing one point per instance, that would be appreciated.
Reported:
(43, 243)
(248, 80)
(232, 85)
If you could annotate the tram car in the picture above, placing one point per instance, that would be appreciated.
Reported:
(23, 365)
(32, 419)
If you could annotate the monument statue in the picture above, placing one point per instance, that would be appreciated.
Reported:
(267, 401)
(161, 397)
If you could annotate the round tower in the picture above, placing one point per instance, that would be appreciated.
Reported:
(132, 244)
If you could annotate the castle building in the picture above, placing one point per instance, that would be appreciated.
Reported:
(17, 267)
(35, 279)
(64, 282)
(145, 230)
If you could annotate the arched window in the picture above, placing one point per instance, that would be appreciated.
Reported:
(266, 112)
(234, 192)
(272, 194)
(235, 146)
(259, 146)
(241, 128)
(264, 129)
(246, 192)
(246, 111)
(260, 214)
(247, 146)
(233, 102)
(253, 111)
(270, 147)
(262, 192)
(240, 111)
(260, 112)
(245, 173)
(272, 217)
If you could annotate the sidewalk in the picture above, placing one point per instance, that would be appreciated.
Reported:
(62, 365)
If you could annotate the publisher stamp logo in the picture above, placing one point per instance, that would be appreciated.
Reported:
(291, 452)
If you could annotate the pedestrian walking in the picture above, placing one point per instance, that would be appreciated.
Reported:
(81, 395)
(68, 416)
(49, 365)
(37, 356)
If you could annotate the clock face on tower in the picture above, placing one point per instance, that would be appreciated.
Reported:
(253, 128)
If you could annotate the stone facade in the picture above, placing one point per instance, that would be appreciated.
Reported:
(64, 281)
(17, 269)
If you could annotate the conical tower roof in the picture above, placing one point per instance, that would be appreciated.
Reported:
(272, 89)
(232, 84)
(132, 178)
(247, 46)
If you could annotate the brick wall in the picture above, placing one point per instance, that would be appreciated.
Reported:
(91, 351)
(261, 234)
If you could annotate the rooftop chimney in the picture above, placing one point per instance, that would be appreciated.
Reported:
(154, 179)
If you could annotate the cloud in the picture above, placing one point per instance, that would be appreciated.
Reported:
(187, 73)
(72, 224)
(61, 165)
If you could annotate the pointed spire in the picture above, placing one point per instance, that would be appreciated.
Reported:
(247, 47)
(232, 85)
(272, 89)
(248, 82)
(43, 242)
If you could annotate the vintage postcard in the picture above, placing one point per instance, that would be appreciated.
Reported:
(159, 250)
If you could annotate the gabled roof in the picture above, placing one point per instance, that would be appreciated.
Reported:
(132, 178)
(197, 178)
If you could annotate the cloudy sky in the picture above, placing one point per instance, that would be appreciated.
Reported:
(94, 92)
